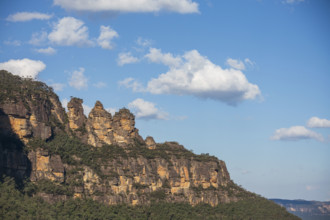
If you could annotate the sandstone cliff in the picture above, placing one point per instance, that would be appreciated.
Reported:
(100, 156)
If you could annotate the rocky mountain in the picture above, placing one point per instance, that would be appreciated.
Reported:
(60, 155)
(307, 210)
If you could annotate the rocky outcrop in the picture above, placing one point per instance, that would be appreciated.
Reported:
(124, 128)
(30, 109)
(150, 142)
(46, 166)
(77, 119)
(136, 180)
(99, 126)
(122, 169)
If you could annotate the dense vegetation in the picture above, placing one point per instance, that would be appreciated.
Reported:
(13, 87)
(16, 204)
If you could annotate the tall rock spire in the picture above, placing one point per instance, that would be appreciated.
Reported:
(99, 126)
(76, 116)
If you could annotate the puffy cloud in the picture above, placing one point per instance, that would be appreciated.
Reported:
(236, 64)
(180, 6)
(78, 80)
(106, 35)
(58, 86)
(38, 38)
(48, 50)
(24, 68)
(316, 122)
(156, 56)
(193, 74)
(126, 58)
(147, 110)
(296, 133)
(70, 31)
(28, 16)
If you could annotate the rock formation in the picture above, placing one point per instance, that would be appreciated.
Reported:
(99, 157)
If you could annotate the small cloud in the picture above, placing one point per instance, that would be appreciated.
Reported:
(147, 110)
(38, 38)
(24, 68)
(47, 51)
(236, 64)
(111, 110)
(70, 31)
(133, 84)
(64, 103)
(316, 122)
(78, 80)
(126, 58)
(143, 42)
(180, 6)
(100, 85)
(15, 43)
(87, 109)
(106, 36)
(156, 56)
(58, 86)
(296, 133)
(28, 16)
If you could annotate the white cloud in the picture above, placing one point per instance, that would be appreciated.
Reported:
(193, 74)
(57, 86)
(70, 31)
(296, 133)
(25, 67)
(111, 110)
(236, 64)
(48, 50)
(28, 16)
(87, 109)
(106, 35)
(133, 84)
(143, 42)
(156, 56)
(146, 110)
(78, 80)
(100, 85)
(126, 58)
(292, 1)
(180, 6)
(38, 38)
(316, 122)
(64, 103)
(13, 43)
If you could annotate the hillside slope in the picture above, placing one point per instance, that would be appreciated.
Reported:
(63, 157)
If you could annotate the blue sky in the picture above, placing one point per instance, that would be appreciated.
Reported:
(244, 80)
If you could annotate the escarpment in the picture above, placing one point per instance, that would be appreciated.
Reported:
(101, 156)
